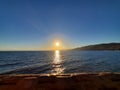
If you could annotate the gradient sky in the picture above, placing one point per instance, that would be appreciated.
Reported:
(36, 24)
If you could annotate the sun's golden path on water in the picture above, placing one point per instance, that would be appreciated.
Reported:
(57, 68)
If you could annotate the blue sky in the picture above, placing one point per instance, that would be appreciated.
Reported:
(36, 24)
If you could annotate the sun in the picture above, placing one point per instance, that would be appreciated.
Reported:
(57, 44)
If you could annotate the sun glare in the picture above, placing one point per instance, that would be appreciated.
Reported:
(57, 44)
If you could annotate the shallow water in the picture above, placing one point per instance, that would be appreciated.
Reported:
(57, 62)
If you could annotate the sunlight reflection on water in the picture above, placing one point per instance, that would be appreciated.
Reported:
(57, 62)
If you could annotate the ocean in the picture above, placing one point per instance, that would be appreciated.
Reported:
(58, 62)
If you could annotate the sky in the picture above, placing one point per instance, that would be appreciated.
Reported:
(37, 24)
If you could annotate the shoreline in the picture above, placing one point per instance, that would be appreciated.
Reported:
(77, 81)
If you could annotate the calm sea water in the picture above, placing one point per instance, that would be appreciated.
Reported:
(56, 62)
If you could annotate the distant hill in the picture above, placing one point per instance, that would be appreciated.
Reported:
(106, 46)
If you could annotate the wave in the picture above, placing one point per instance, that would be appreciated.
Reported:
(31, 69)
(9, 64)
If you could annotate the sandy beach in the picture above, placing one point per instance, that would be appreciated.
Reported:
(76, 81)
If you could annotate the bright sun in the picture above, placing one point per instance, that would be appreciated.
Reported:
(57, 44)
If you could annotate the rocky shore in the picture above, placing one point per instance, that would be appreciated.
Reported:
(76, 81)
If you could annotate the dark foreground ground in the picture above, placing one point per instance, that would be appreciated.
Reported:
(82, 81)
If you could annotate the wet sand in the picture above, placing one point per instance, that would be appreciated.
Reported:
(78, 81)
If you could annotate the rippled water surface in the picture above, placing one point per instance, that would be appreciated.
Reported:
(57, 62)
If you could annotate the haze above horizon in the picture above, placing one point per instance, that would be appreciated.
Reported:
(37, 24)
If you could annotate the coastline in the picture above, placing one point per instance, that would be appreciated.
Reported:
(77, 81)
